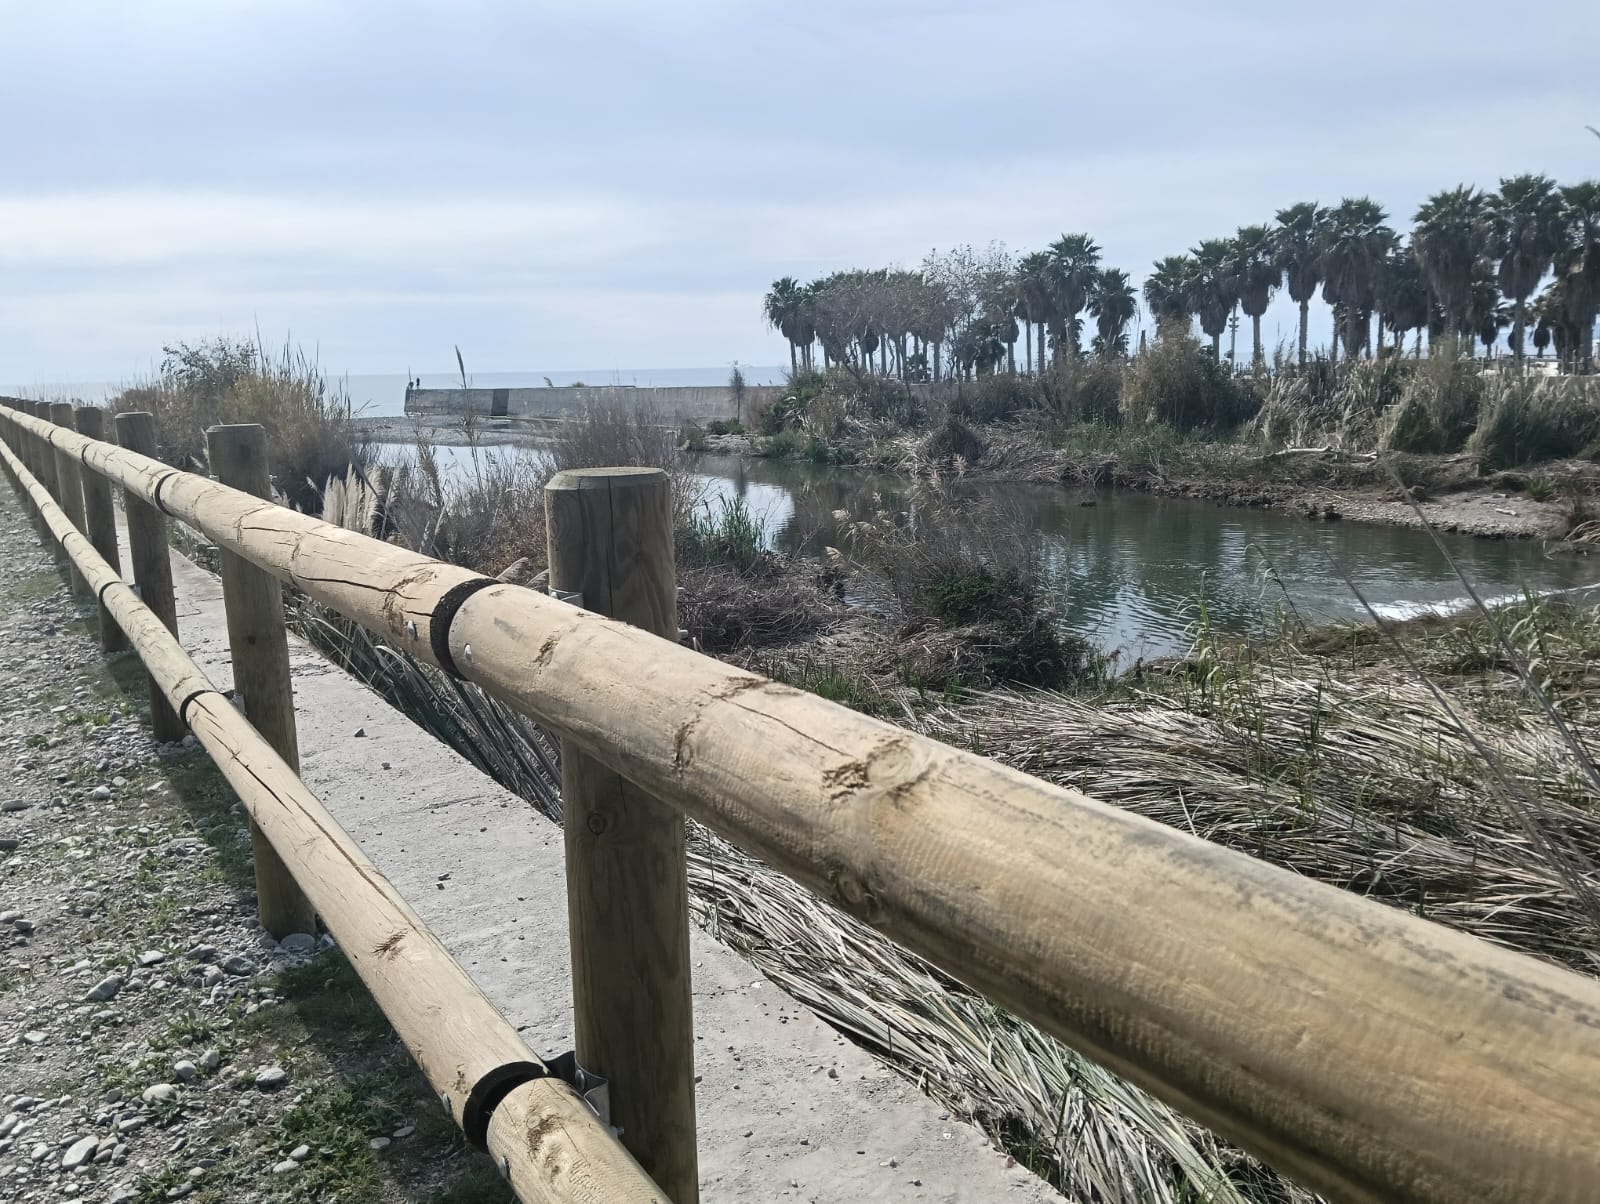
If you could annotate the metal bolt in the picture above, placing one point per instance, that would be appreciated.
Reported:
(411, 628)
(597, 824)
(467, 652)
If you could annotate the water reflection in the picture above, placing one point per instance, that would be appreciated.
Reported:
(1132, 572)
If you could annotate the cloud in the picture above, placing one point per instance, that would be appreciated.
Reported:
(584, 182)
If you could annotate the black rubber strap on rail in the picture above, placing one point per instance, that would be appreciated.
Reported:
(445, 613)
(487, 1093)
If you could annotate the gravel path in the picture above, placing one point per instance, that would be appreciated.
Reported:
(155, 1043)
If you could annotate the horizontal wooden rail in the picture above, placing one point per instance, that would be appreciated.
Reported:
(471, 1055)
(1365, 1052)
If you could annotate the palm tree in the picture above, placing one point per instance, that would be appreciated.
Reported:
(1257, 276)
(1298, 242)
(1113, 303)
(1485, 315)
(1036, 298)
(1523, 230)
(1074, 263)
(1355, 250)
(782, 307)
(1403, 307)
(1446, 242)
(1213, 288)
(1167, 291)
(1577, 265)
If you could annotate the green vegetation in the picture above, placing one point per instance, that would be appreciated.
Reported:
(307, 419)
(1470, 269)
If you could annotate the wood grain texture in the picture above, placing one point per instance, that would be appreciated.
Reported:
(610, 537)
(100, 521)
(69, 484)
(535, 1138)
(1369, 1054)
(399, 590)
(563, 1152)
(1364, 1052)
(149, 554)
(258, 641)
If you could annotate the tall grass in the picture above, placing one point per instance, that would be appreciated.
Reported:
(310, 438)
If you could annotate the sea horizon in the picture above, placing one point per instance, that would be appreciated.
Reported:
(383, 394)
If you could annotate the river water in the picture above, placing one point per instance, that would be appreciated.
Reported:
(1133, 572)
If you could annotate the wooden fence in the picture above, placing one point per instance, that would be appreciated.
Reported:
(1366, 1053)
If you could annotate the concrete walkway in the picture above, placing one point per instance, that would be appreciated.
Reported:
(485, 871)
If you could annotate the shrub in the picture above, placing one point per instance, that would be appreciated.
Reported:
(794, 444)
(1437, 407)
(1176, 382)
(310, 438)
(724, 427)
(1527, 420)
(968, 566)
(732, 536)
(954, 440)
(691, 438)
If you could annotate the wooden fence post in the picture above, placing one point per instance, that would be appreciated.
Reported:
(43, 455)
(152, 568)
(100, 520)
(610, 533)
(259, 641)
(69, 486)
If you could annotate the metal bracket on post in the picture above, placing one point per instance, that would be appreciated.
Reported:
(594, 1088)
(571, 597)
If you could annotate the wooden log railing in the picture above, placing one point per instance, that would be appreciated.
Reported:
(1367, 1053)
(549, 1142)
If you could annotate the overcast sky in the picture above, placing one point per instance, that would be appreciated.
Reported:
(614, 185)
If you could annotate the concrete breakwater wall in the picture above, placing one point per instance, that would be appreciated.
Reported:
(703, 404)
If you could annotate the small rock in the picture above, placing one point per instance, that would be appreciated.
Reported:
(152, 957)
(270, 1078)
(159, 1094)
(210, 1060)
(34, 1037)
(298, 942)
(123, 1195)
(300, 1153)
(8, 1123)
(15, 804)
(106, 988)
(285, 1167)
(239, 965)
(80, 1152)
(404, 1131)
(203, 953)
(185, 1070)
(9, 844)
(211, 976)
(10, 917)
(100, 794)
(379, 1143)
(132, 1125)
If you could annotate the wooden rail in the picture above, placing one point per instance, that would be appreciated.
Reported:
(1367, 1053)
(550, 1143)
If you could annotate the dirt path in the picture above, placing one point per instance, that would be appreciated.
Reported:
(155, 1044)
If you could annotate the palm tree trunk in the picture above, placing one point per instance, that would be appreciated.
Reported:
(1305, 324)
(1216, 346)
(794, 365)
(1041, 348)
(936, 345)
(1027, 347)
(1255, 322)
(1519, 317)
